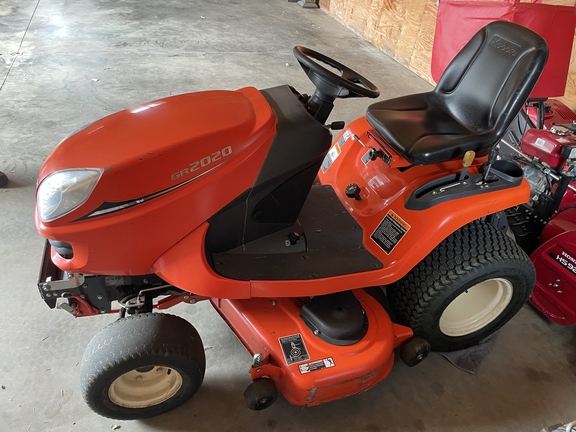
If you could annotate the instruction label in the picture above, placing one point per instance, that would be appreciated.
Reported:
(390, 232)
(367, 157)
(335, 151)
(294, 349)
(540, 142)
(316, 365)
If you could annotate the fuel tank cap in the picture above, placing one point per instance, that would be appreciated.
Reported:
(559, 130)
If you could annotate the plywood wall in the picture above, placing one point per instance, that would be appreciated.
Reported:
(404, 29)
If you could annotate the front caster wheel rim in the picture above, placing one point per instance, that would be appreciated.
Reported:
(476, 307)
(265, 402)
(145, 387)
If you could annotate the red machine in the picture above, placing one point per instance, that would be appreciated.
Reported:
(542, 140)
(241, 198)
(546, 225)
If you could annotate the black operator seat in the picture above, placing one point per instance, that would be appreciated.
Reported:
(476, 99)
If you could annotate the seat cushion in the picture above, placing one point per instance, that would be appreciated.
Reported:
(476, 99)
(424, 133)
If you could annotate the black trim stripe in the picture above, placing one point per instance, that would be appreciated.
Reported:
(107, 208)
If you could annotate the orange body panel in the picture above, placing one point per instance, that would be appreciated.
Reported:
(165, 235)
(158, 146)
(260, 323)
(185, 265)
(384, 188)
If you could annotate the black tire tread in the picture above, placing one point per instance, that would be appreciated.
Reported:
(150, 335)
(472, 248)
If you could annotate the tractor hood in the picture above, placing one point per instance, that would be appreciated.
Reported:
(156, 146)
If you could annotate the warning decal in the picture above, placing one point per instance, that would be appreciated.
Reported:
(367, 157)
(294, 349)
(335, 151)
(316, 365)
(330, 157)
(390, 232)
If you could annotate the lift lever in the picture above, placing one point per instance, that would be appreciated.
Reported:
(466, 162)
(491, 159)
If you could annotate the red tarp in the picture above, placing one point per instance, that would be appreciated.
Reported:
(459, 20)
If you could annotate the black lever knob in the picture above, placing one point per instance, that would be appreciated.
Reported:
(353, 191)
(337, 125)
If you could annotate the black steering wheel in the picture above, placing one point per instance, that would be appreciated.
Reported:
(349, 84)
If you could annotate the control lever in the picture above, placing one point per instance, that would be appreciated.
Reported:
(374, 154)
(491, 159)
(466, 162)
(337, 125)
(354, 136)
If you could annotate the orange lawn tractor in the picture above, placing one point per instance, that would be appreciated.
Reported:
(243, 199)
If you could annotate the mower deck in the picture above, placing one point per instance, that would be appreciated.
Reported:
(307, 370)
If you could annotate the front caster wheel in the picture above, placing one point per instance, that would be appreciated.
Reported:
(142, 366)
(261, 394)
(414, 351)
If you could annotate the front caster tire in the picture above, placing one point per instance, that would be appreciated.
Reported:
(414, 351)
(261, 394)
(142, 366)
(468, 287)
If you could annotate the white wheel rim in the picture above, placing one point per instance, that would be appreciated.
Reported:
(145, 387)
(476, 307)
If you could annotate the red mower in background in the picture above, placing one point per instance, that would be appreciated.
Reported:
(543, 142)
(242, 199)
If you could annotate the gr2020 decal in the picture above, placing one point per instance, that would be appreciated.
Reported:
(203, 163)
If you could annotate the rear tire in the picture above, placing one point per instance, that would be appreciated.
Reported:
(468, 287)
(142, 366)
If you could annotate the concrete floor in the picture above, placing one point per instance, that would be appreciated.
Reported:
(66, 63)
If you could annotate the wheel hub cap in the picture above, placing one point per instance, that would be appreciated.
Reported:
(145, 387)
(476, 307)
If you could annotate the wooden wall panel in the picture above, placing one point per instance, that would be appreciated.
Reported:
(404, 29)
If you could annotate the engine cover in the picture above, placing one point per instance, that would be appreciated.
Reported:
(549, 147)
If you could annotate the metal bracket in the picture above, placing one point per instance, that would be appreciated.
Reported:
(62, 303)
(74, 280)
(265, 370)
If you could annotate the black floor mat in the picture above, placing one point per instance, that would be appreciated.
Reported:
(334, 247)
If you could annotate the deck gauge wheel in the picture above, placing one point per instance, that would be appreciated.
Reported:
(261, 394)
(414, 351)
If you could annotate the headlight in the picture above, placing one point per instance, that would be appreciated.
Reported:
(63, 191)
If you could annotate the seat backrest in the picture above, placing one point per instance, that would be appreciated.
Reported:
(486, 84)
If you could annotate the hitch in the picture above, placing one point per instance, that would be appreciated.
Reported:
(84, 295)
